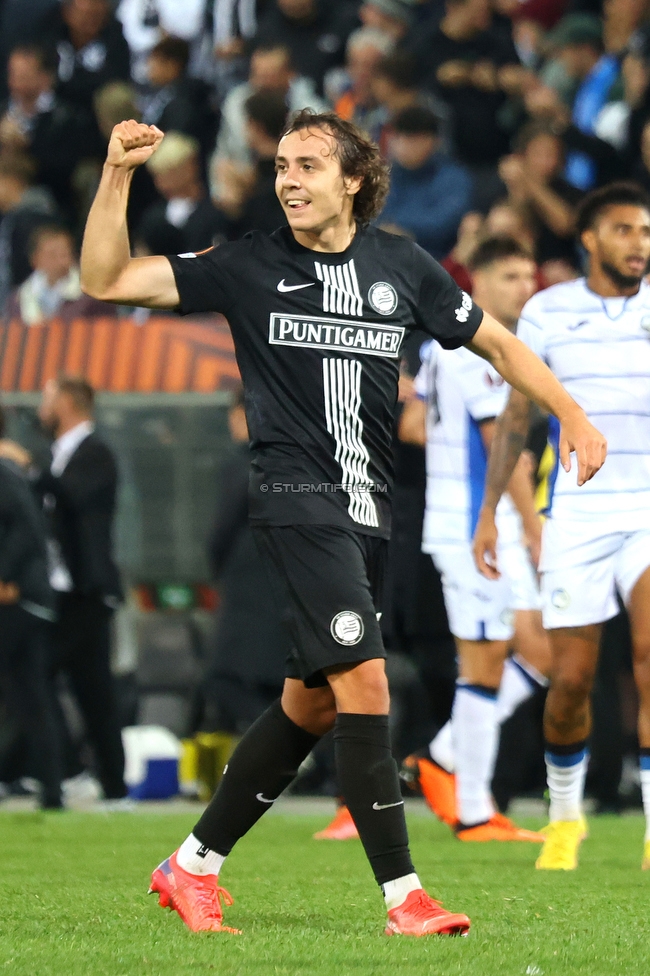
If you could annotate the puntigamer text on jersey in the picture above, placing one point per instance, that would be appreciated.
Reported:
(323, 333)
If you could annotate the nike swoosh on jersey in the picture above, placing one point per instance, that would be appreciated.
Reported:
(283, 287)
(578, 325)
(262, 798)
(385, 806)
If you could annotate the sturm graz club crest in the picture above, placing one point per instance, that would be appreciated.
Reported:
(382, 297)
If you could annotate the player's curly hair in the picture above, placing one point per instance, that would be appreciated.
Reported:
(357, 154)
(621, 193)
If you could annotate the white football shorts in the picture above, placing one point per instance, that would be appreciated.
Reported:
(583, 566)
(514, 561)
(477, 608)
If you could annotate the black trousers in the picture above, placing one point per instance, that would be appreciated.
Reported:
(82, 652)
(28, 695)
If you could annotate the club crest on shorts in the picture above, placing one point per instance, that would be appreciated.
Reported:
(645, 323)
(383, 297)
(347, 627)
(560, 599)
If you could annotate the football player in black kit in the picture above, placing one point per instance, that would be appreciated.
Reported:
(318, 311)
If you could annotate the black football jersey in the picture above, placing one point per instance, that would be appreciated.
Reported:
(317, 337)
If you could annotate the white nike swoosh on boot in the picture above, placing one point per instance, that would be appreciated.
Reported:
(262, 798)
(283, 287)
(385, 806)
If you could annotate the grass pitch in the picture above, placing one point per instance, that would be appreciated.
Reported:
(74, 902)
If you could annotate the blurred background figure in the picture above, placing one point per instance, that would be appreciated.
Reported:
(248, 197)
(79, 491)
(146, 22)
(429, 192)
(271, 69)
(26, 615)
(23, 207)
(90, 46)
(53, 288)
(34, 119)
(185, 219)
(351, 91)
(174, 101)
(250, 649)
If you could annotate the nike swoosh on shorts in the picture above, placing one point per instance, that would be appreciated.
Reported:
(385, 806)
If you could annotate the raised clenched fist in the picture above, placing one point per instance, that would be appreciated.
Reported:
(132, 144)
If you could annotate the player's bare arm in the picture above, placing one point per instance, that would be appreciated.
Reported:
(524, 371)
(108, 272)
(504, 439)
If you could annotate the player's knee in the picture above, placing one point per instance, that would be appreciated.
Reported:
(573, 683)
(642, 664)
(362, 687)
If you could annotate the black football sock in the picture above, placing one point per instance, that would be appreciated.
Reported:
(264, 763)
(369, 782)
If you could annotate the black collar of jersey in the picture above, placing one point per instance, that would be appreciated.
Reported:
(287, 239)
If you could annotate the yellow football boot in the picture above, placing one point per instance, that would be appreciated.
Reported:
(645, 864)
(560, 850)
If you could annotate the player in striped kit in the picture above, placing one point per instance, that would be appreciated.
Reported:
(594, 333)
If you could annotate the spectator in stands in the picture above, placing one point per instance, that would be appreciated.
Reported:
(79, 491)
(175, 102)
(146, 22)
(247, 668)
(613, 121)
(472, 66)
(355, 100)
(532, 175)
(35, 120)
(186, 219)
(270, 70)
(23, 207)
(251, 202)
(90, 45)
(314, 32)
(53, 288)
(394, 88)
(26, 615)
(17, 19)
(429, 192)
(391, 17)
(578, 43)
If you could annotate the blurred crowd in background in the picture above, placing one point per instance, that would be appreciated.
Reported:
(496, 117)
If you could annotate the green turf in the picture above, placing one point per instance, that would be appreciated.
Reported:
(74, 902)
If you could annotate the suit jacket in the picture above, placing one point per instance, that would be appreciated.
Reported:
(23, 559)
(82, 517)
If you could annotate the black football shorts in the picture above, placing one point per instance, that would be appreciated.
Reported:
(327, 582)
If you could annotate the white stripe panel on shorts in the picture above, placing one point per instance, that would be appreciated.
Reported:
(342, 392)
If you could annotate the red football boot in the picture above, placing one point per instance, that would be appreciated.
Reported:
(342, 827)
(196, 898)
(422, 915)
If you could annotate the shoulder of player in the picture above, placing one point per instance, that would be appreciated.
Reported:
(219, 253)
(567, 296)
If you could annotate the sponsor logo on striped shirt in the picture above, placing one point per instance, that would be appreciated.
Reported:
(336, 334)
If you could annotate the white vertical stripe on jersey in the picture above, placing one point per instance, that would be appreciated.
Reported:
(341, 292)
(342, 392)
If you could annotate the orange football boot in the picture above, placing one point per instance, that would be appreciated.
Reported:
(498, 827)
(342, 827)
(438, 787)
(421, 915)
(196, 898)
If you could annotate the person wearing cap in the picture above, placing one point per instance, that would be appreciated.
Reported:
(392, 17)
(429, 192)
(578, 44)
(186, 219)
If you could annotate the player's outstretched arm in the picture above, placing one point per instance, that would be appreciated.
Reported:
(108, 272)
(525, 371)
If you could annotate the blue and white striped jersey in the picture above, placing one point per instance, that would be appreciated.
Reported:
(461, 390)
(599, 349)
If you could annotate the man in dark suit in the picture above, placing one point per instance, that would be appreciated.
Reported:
(26, 614)
(79, 492)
